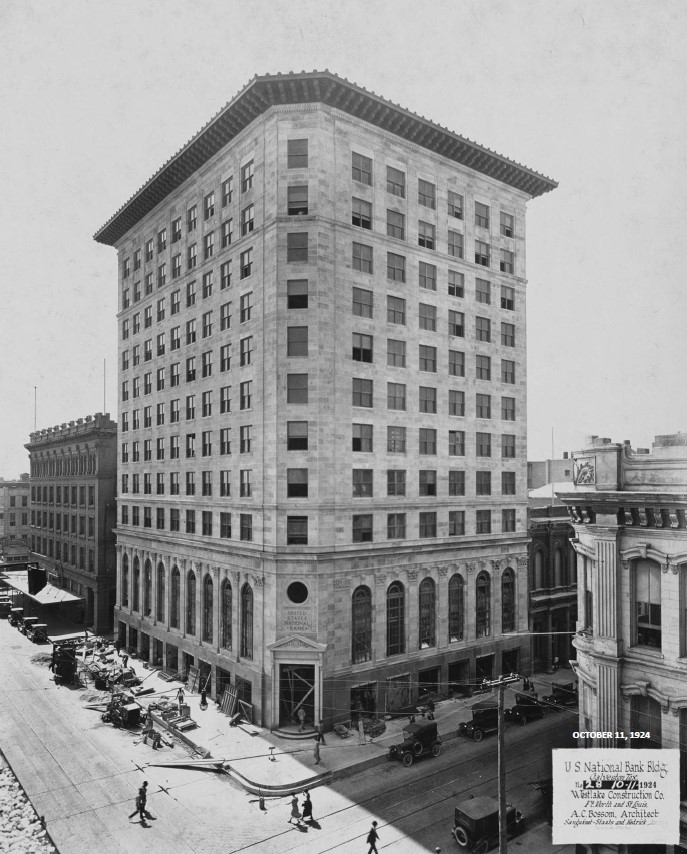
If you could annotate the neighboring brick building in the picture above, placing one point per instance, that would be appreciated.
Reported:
(629, 512)
(73, 512)
(14, 517)
(542, 472)
(323, 390)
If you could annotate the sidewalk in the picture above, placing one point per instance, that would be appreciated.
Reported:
(267, 764)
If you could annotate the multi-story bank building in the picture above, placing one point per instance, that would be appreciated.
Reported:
(323, 472)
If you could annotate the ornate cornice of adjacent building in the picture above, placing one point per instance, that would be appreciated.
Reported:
(306, 88)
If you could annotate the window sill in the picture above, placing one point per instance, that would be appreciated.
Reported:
(645, 652)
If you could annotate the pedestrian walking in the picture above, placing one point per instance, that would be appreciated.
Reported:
(118, 647)
(316, 752)
(294, 810)
(320, 732)
(301, 718)
(372, 838)
(125, 660)
(141, 800)
(180, 698)
(556, 663)
(307, 808)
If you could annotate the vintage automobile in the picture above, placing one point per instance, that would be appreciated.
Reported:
(16, 617)
(122, 714)
(476, 823)
(37, 632)
(419, 739)
(26, 623)
(485, 720)
(5, 608)
(526, 708)
(561, 696)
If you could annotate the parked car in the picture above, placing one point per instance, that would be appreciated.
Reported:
(526, 708)
(476, 823)
(561, 696)
(485, 720)
(419, 739)
(5, 607)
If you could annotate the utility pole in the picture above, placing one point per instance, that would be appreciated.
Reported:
(501, 685)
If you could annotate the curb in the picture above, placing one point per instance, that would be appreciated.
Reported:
(281, 789)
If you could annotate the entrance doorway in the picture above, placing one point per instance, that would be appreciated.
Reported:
(398, 693)
(428, 683)
(459, 678)
(296, 691)
(484, 667)
(363, 701)
(510, 661)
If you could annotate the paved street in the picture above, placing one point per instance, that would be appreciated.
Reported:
(82, 775)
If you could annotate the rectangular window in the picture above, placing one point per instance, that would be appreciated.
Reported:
(508, 446)
(207, 324)
(362, 348)
(456, 246)
(396, 396)
(190, 294)
(483, 444)
(225, 399)
(456, 523)
(225, 275)
(297, 341)
(428, 441)
(362, 392)
(426, 194)
(246, 527)
(190, 445)
(174, 369)
(508, 408)
(507, 371)
(245, 307)
(507, 261)
(246, 262)
(149, 250)
(175, 302)
(395, 182)
(455, 205)
(297, 153)
(362, 257)
(456, 403)
(395, 353)
(362, 483)
(174, 521)
(362, 302)
(190, 483)
(224, 316)
(395, 482)
(192, 218)
(207, 523)
(160, 379)
(362, 528)
(206, 405)
(176, 230)
(456, 443)
(227, 231)
(426, 235)
(245, 439)
(227, 190)
(209, 205)
(483, 405)
(396, 440)
(456, 324)
(456, 482)
(481, 215)
(507, 298)
(191, 257)
(208, 245)
(362, 438)
(190, 521)
(297, 202)
(428, 276)
(647, 602)
(297, 247)
(174, 447)
(206, 482)
(297, 388)
(245, 350)
(483, 482)
(176, 266)
(482, 329)
(297, 530)
(246, 394)
(428, 399)
(247, 175)
(137, 260)
(428, 358)
(508, 334)
(481, 253)
(456, 363)
(245, 484)
(361, 168)
(361, 213)
(508, 521)
(395, 310)
(396, 526)
(225, 483)
(508, 483)
(248, 216)
(396, 225)
(225, 441)
(395, 267)
(428, 482)
(191, 369)
(148, 317)
(297, 293)
(297, 435)
(483, 367)
(507, 224)
(428, 524)
(427, 316)
(483, 291)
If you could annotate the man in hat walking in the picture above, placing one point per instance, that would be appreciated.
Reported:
(372, 838)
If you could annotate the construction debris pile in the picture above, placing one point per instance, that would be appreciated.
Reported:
(20, 827)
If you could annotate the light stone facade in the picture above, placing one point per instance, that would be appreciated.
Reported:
(324, 361)
(628, 512)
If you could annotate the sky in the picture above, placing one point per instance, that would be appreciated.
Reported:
(95, 96)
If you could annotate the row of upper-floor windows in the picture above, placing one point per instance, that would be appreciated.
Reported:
(362, 527)
(77, 556)
(23, 500)
(63, 466)
(58, 494)
(213, 199)
(15, 519)
(297, 439)
(69, 523)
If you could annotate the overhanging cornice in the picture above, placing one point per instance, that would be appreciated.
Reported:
(261, 93)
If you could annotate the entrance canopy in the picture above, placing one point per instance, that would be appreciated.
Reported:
(49, 595)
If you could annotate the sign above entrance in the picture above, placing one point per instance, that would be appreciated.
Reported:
(297, 620)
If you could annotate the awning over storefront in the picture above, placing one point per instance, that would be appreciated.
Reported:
(49, 595)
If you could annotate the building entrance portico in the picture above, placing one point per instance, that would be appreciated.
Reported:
(296, 680)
